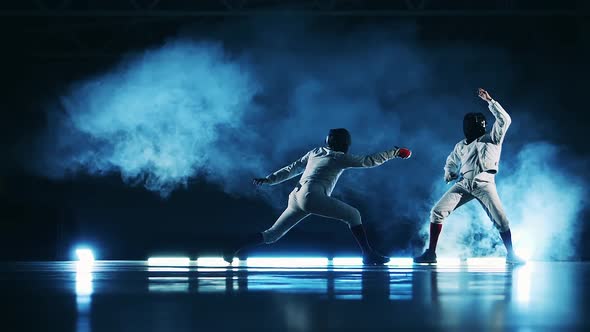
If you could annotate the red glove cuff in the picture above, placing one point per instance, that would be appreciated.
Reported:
(404, 153)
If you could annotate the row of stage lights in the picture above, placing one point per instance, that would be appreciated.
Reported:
(86, 256)
(180, 282)
(160, 279)
(291, 262)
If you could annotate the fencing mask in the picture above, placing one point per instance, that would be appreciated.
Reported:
(474, 126)
(338, 140)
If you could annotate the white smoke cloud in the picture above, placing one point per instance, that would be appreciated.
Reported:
(545, 201)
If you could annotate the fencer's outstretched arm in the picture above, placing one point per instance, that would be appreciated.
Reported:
(503, 120)
(375, 159)
(287, 172)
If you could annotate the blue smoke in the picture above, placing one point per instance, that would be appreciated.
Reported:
(196, 110)
(156, 118)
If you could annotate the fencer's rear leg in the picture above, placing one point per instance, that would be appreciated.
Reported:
(248, 241)
(289, 218)
(370, 256)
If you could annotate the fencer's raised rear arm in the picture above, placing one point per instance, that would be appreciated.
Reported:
(289, 171)
(372, 160)
(453, 164)
(502, 122)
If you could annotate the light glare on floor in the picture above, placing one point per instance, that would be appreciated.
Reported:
(83, 278)
(523, 283)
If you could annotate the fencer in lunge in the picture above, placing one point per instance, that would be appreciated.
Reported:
(474, 163)
(321, 169)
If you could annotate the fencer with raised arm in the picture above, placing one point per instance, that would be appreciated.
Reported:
(474, 163)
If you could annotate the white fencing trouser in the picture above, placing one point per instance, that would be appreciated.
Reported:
(466, 190)
(310, 199)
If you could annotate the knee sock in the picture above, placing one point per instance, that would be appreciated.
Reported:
(435, 230)
(361, 238)
(507, 239)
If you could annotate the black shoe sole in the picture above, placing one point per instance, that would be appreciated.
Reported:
(420, 260)
(375, 262)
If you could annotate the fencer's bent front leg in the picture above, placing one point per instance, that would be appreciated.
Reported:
(326, 206)
(289, 218)
(450, 201)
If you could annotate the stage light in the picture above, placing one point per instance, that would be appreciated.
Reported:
(287, 262)
(169, 261)
(214, 262)
(486, 261)
(85, 255)
(317, 261)
(347, 261)
(357, 261)
(448, 261)
(401, 261)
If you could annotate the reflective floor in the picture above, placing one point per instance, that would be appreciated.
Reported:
(284, 295)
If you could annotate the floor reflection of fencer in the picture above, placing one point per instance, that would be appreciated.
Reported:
(537, 296)
(375, 284)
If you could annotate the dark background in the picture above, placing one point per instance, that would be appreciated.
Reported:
(47, 45)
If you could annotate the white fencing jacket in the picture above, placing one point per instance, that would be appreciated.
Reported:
(324, 166)
(483, 154)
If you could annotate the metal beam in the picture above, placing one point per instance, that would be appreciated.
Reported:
(197, 8)
(69, 29)
(358, 13)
